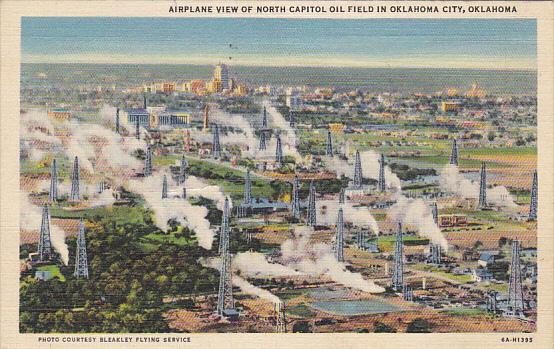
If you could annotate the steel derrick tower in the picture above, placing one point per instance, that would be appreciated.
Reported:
(516, 303)
(381, 184)
(454, 153)
(339, 249)
(533, 208)
(398, 272)
(295, 200)
(74, 196)
(357, 182)
(164, 188)
(45, 242)
(53, 195)
(183, 170)
(216, 147)
(148, 162)
(312, 219)
(279, 152)
(81, 260)
(483, 187)
(117, 120)
(225, 295)
(329, 148)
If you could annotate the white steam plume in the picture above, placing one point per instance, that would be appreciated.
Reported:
(240, 282)
(370, 168)
(255, 264)
(417, 214)
(318, 259)
(451, 180)
(175, 208)
(288, 136)
(360, 216)
(252, 290)
(31, 219)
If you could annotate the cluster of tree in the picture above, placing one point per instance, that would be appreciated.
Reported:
(126, 285)
(405, 172)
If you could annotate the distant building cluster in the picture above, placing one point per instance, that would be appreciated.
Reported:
(221, 82)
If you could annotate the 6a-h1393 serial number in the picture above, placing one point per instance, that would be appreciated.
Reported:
(517, 340)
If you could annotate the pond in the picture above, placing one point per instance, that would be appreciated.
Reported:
(354, 307)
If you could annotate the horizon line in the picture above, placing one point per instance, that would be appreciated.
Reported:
(299, 65)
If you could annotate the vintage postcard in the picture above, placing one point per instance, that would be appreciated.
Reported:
(369, 173)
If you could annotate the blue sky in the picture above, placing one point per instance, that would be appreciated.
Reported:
(448, 43)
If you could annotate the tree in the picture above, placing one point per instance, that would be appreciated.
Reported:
(379, 327)
(419, 326)
(302, 327)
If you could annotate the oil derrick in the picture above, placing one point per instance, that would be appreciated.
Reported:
(398, 272)
(516, 303)
(295, 202)
(117, 120)
(483, 187)
(264, 119)
(45, 242)
(216, 147)
(183, 170)
(225, 295)
(247, 189)
(360, 240)
(81, 261)
(279, 152)
(148, 162)
(381, 184)
(164, 188)
(101, 187)
(454, 153)
(206, 123)
(329, 150)
(312, 219)
(137, 128)
(435, 254)
(435, 213)
(492, 302)
(358, 171)
(408, 293)
(53, 196)
(74, 196)
(339, 252)
(342, 196)
(262, 145)
(281, 320)
(534, 198)
(292, 119)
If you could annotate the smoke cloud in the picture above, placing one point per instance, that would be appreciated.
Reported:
(360, 216)
(451, 180)
(176, 208)
(254, 264)
(31, 219)
(417, 214)
(318, 259)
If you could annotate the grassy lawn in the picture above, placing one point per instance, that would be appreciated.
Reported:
(386, 242)
(54, 270)
(301, 310)
(435, 270)
(466, 312)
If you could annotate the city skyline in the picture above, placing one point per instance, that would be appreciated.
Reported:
(402, 43)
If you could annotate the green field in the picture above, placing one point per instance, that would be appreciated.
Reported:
(54, 270)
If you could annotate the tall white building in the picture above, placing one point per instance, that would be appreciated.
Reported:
(221, 73)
